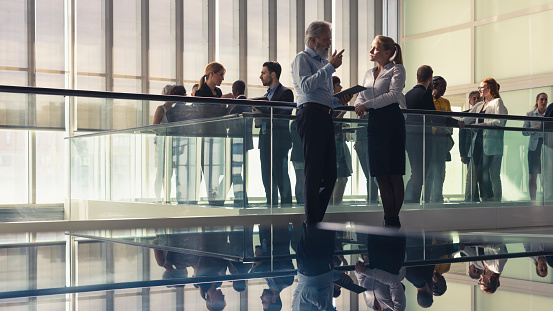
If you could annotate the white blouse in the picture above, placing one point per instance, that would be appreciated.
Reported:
(385, 90)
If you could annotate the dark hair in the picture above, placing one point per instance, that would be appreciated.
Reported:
(424, 73)
(195, 85)
(240, 86)
(490, 284)
(178, 90)
(275, 306)
(440, 286)
(335, 79)
(336, 292)
(472, 93)
(424, 299)
(273, 67)
(390, 45)
(493, 87)
(438, 79)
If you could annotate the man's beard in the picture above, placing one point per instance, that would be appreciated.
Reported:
(322, 51)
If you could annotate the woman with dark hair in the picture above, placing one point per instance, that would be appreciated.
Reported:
(386, 125)
(535, 143)
(488, 142)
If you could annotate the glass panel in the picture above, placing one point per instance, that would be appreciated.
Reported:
(195, 43)
(257, 47)
(50, 167)
(13, 34)
(449, 55)
(486, 8)
(227, 49)
(126, 38)
(162, 39)
(14, 166)
(90, 34)
(286, 41)
(50, 36)
(444, 14)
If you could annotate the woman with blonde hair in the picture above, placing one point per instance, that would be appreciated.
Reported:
(489, 142)
(386, 125)
(213, 161)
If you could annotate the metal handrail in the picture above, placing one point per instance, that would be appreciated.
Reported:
(226, 101)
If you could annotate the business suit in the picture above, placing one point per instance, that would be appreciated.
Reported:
(418, 98)
(474, 172)
(282, 142)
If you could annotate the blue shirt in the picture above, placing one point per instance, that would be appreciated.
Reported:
(312, 79)
(271, 91)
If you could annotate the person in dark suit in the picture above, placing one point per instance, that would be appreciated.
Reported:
(474, 173)
(282, 139)
(420, 97)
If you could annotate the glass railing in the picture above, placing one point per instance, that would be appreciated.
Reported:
(114, 166)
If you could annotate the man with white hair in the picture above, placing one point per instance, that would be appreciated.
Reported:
(312, 71)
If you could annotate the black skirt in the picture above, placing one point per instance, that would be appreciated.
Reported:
(386, 140)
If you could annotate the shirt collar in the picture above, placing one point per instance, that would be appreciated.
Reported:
(312, 53)
(537, 112)
(271, 90)
(386, 67)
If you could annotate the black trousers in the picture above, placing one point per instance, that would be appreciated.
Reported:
(280, 177)
(415, 149)
(316, 131)
(315, 250)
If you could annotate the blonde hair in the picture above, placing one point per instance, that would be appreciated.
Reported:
(388, 44)
(212, 67)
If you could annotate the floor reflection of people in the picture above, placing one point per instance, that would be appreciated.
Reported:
(383, 273)
(487, 272)
(426, 279)
(280, 246)
(539, 261)
(315, 288)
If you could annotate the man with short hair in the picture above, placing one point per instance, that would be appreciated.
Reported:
(419, 140)
(474, 172)
(281, 138)
(240, 139)
(312, 79)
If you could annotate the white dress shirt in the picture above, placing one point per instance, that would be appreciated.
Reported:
(385, 90)
(384, 287)
(314, 293)
(534, 136)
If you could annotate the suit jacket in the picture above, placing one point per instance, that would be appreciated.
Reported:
(465, 140)
(418, 98)
(493, 138)
(281, 135)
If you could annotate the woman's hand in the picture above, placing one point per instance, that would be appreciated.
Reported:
(360, 109)
(360, 267)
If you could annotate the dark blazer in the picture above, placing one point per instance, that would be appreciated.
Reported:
(465, 140)
(281, 127)
(210, 110)
(236, 128)
(418, 98)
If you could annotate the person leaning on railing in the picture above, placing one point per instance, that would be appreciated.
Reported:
(535, 143)
(209, 82)
(489, 142)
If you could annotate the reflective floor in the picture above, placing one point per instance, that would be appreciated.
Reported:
(250, 266)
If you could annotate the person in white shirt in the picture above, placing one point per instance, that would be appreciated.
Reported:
(535, 143)
(489, 142)
(386, 125)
